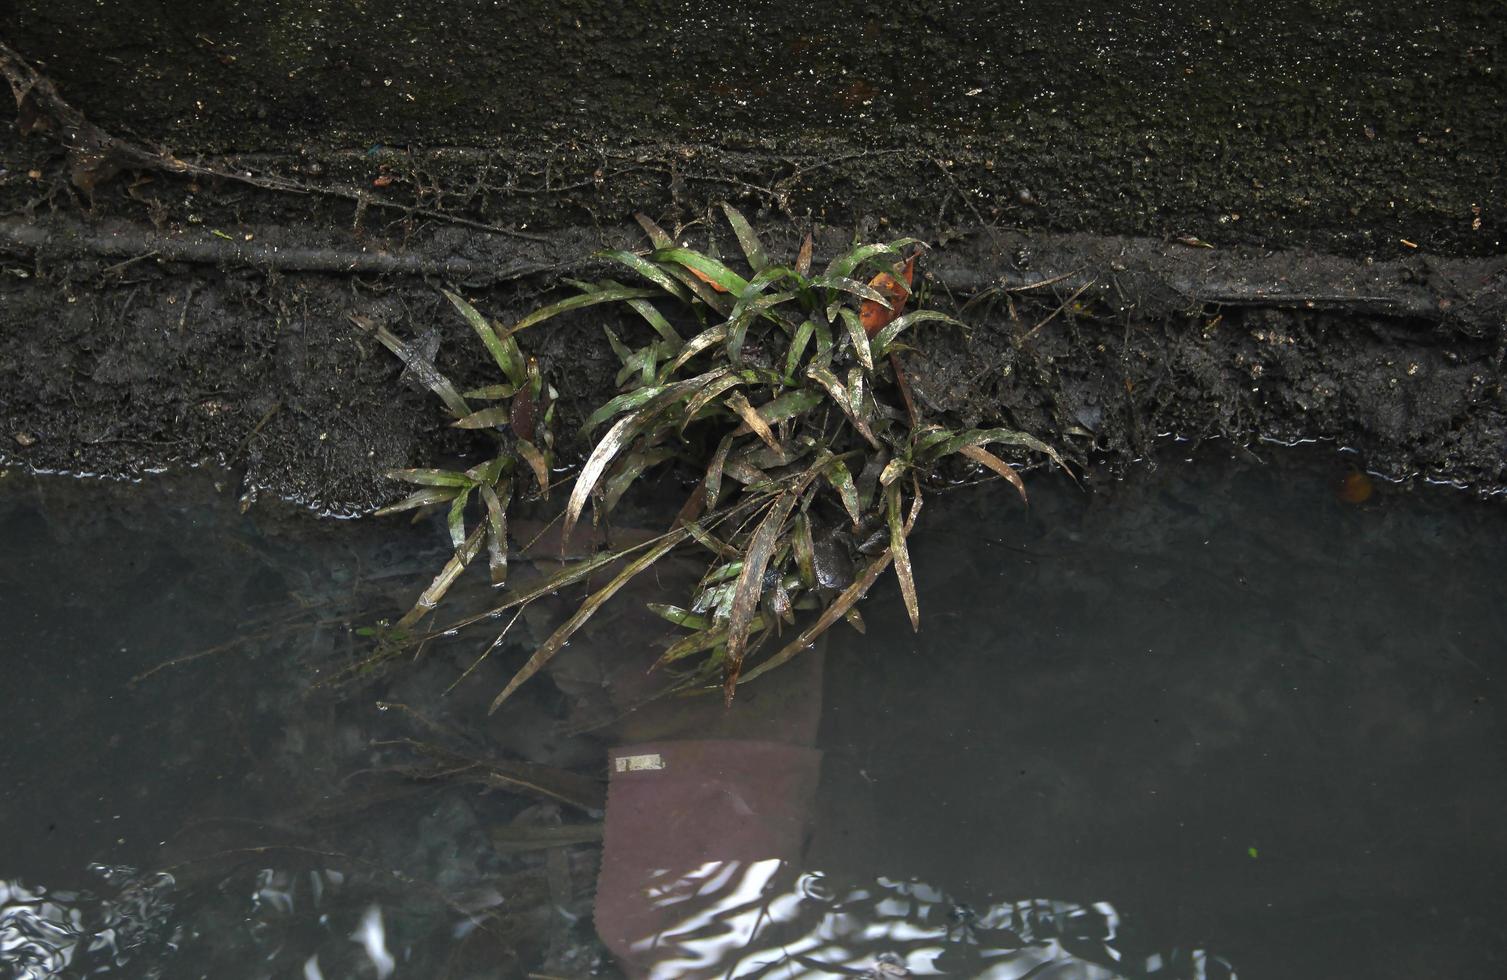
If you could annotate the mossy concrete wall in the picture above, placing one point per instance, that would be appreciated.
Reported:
(1344, 126)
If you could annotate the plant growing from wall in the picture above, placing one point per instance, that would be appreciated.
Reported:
(782, 387)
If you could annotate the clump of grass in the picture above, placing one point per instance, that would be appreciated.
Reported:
(787, 396)
(519, 415)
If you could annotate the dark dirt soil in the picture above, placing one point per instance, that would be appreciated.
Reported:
(119, 360)
(1345, 165)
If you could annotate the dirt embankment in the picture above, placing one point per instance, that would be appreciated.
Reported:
(280, 172)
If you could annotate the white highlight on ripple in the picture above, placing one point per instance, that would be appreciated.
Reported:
(370, 935)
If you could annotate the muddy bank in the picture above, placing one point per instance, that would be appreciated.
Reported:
(1279, 223)
(129, 348)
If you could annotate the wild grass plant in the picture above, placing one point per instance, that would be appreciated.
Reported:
(781, 388)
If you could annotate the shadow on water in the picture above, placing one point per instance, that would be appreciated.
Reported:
(1213, 715)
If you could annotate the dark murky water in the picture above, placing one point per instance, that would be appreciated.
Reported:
(1211, 717)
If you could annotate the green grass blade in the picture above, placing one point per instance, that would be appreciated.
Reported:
(626, 402)
(751, 586)
(679, 616)
(845, 285)
(649, 271)
(737, 327)
(492, 393)
(858, 338)
(902, 555)
(709, 267)
(797, 349)
(486, 418)
(431, 596)
(431, 478)
(497, 531)
(623, 432)
(882, 340)
(694, 346)
(839, 394)
(657, 320)
(1005, 437)
(707, 395)
(632, 467)
(607, 295)
(847, 263)
(747, 239)
(457, 519)
(789, 405)
(422, 498)
(509, 359)
(841, 478)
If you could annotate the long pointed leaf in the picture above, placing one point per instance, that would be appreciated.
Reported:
(694, 346)
(608, 295)
(752, 250)
(1007, 437)
(618, 437)
(457, 518)
(423, 498)
(839, 608)
(798, 344)
(658, 237)
(841, 478)
(425, 372)
(844, 265)
(737, 326)
(537, 462)
(707, 266)
(486, 418)
(839, 393)
(853, 286)
(508, 358)
(631, 469)
(981, 455)
(649, 271)
(625, 402)
(497, 531)
(882, 340)
(858, 338)
(902, 555)
(751, 586)
(559, 637)
(431, 478)
(706, 395)
(442, 582)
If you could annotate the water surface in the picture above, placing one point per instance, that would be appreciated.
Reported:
(1212, 710)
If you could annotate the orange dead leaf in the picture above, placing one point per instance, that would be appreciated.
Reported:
(874, 316)
(707, 279)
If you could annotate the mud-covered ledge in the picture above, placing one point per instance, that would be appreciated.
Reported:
(130, 348)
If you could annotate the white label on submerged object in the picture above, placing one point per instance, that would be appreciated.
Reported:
(640, 763)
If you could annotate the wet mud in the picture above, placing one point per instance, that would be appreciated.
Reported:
(1281, 223)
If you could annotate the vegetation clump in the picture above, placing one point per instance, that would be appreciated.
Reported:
(782, 387)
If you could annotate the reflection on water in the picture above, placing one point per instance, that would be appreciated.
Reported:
(46, 934)
(767, 919)
(1212, 717)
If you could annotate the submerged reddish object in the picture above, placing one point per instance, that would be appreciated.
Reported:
(1354, 488)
